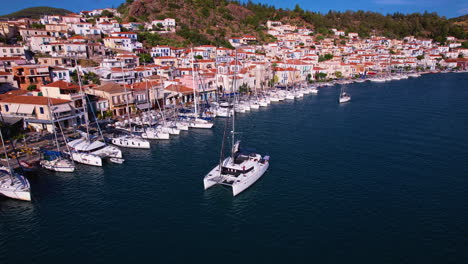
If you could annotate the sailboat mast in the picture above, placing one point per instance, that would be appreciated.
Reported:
(126, 96)
(234, 84)
(85, 107)
(6, 154)
(193, 85)
(49, 105)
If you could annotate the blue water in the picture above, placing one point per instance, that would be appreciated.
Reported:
(382, 179)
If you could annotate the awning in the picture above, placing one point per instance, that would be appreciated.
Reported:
(143, 106)
(25, 109)
(61, 108)
(13, 108)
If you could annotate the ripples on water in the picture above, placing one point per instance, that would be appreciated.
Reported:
(380, 179)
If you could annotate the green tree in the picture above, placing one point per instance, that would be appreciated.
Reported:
(37, 26)
(420, 57)
(32, 87)
(244, 88)
(319, 38)
(107, 13)
(338, 74)
(145, 58)
(325, 57)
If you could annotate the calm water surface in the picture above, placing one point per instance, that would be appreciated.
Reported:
(382, 179)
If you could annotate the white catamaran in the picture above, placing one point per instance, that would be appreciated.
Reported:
(240, 170)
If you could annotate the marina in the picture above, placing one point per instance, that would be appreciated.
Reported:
(359, 175)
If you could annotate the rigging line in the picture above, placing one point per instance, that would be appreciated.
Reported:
(65, 141)
(13, 147)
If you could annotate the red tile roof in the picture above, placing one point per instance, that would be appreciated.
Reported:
(63, 85)
(34, 100)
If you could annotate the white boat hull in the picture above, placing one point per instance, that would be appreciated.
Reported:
(18, 195)
(86, 158)
(155, 135)
(129, 142)
(200, 123)
(239, 183)
(344, 99)
(58, 165)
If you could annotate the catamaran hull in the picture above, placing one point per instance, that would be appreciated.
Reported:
(128, 143)
(239, 187)
(88, 159)
(18, 195)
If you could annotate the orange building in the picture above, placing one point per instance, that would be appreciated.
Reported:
(27, 75)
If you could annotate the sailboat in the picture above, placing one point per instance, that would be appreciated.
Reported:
(240, 170)
(197, 122)
(53, 160)
(344, 97)
(129, 140)
(12, 184)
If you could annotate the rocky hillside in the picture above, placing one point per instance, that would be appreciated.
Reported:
(214, 21)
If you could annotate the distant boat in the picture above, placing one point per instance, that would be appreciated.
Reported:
(344, 97)
(117, 160)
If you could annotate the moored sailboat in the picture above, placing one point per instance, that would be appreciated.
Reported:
(12, 184)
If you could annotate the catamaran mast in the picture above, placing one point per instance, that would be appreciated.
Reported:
(234, 82)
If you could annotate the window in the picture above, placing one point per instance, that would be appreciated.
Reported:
(6, 108)
(41, 110)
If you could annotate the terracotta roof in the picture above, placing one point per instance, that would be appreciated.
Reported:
(34, 100)
(62, 85)
(12, 93)
(143, 85)
(111, 88)
(179, 88)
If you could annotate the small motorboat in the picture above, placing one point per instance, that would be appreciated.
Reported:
(117, 160)
(27, 166)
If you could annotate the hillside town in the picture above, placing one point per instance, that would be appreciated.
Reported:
(66, 72)
(49, 52)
